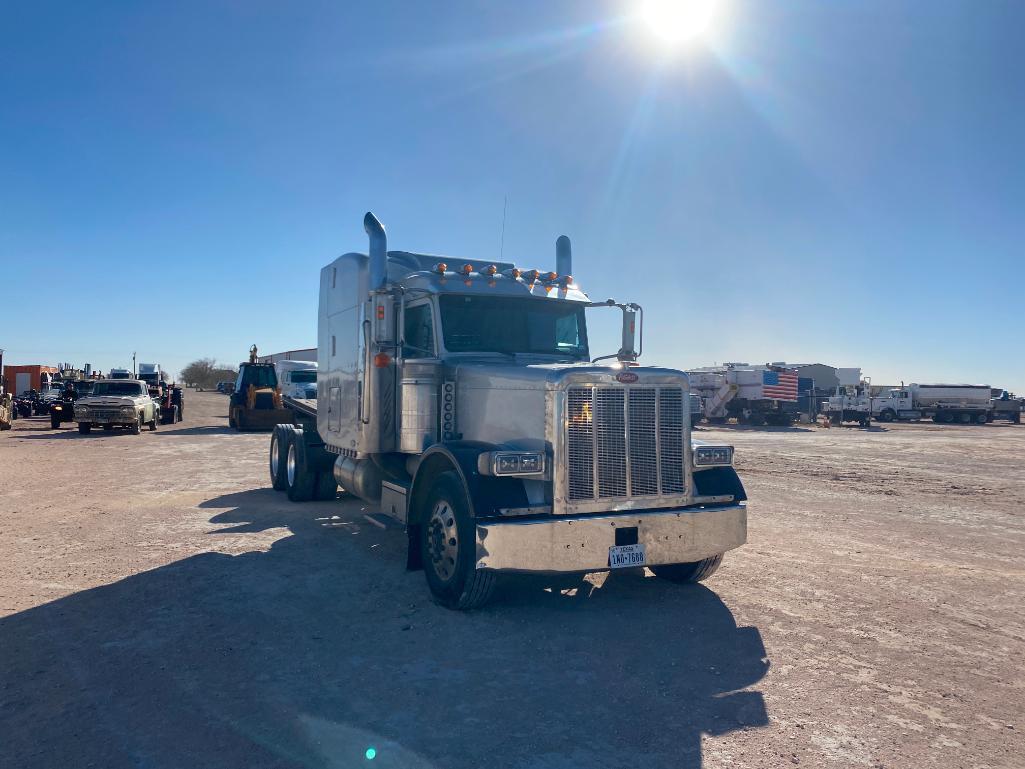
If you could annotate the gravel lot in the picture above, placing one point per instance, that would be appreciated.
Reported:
(161, 607)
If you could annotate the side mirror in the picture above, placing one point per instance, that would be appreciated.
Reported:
(627, 351)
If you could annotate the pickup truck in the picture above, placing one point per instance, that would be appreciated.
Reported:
(117, 403)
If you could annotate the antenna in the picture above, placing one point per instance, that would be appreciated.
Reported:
(501, 247)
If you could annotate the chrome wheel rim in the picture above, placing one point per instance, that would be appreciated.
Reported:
(443, 540)
(290, 465)
(274, 457)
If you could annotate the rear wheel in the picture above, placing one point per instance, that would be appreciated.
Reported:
(689, 572)
(448, 548)
(300, 480)
(278, 457)
(84, 428)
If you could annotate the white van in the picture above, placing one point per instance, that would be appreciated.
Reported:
(297, 378)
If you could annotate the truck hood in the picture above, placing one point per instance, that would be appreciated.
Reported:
(490, 374)
(112, 401)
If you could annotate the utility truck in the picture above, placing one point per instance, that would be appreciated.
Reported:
(459, 397)
(942, 403)
(755, 395)
(1004, 405)
(851, 402)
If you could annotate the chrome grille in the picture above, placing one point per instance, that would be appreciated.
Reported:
(624, 442)
(611, 439)
(580, 444)
(643, 448)
(670, 438)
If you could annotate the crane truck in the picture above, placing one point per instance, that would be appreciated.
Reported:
(460, 398)
(754, 395)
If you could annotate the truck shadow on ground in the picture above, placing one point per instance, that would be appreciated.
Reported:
(322, 647)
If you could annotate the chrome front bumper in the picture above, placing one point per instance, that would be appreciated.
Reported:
(581, 543)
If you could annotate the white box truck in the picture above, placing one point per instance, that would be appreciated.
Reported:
(459, 397)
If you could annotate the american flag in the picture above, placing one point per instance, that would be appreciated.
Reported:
(780, 385)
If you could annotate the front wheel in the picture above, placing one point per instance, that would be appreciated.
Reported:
(55, 421)
(887, 416)
(689, 572)
(153, 421)
(84, 428)
(136, 427)
(448, 548)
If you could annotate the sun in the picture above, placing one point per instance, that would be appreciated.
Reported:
(679, 21)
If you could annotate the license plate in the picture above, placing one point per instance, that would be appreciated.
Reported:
(625, 556)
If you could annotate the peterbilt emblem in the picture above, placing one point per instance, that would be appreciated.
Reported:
(626, 377)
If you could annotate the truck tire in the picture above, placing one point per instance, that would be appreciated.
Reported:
(84, 428)
(136, 428)
(689, 572)
(980, 419)
(448, 548)
(278, 455)
(300, 481)
(1016, 419)
(231, 419)
(887, 416)
(153, 422)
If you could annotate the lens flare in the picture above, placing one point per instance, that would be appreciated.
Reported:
(679, 21)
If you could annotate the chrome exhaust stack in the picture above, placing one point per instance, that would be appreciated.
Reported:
(563, 257)
(378, 251)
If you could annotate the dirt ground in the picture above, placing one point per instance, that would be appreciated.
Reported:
(160, 606)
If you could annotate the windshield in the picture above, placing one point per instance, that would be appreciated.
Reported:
(302, 377)
(257, 376)
(496, 324)
(118, 388)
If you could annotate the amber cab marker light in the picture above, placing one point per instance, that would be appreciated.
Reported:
(467, 269)
(516, 272)
(382, 360)
(441, 267)
(568, 280)
(491, 270)
(552, 276)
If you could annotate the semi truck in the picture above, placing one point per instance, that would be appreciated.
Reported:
(755, 395)
(297, 378)
(151, 374)
(942, 403)
(460, 398)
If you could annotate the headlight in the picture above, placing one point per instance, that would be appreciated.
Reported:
(83, 410)
(511, 463)
(127, 411)
(709, 456)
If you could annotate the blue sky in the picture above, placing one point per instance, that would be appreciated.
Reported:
(832, 181)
